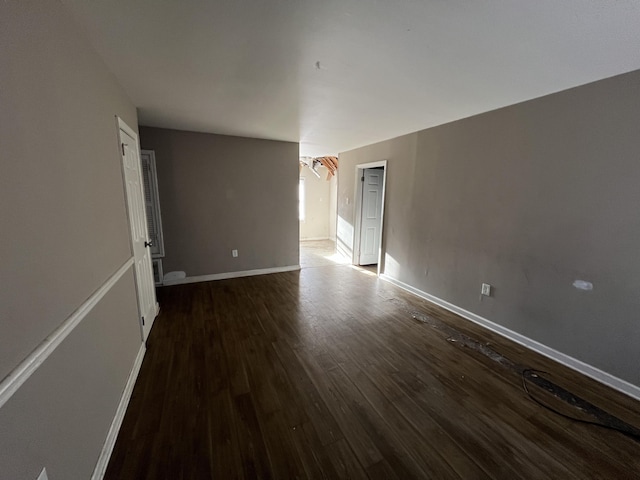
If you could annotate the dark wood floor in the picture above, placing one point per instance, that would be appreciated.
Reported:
(324, 373)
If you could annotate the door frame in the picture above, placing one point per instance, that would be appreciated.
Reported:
(360, 168)
(122, 126)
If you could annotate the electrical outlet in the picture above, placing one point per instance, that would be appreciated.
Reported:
(486, 290)
(234, 253)
(43, 475)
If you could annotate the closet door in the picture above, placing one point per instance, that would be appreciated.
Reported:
(140, 242)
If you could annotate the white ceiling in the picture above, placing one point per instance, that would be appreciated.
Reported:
(250, 67)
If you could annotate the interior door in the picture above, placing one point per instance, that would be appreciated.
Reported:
(138, 226)
(371, 218)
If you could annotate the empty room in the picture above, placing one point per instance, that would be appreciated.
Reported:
(319, 239)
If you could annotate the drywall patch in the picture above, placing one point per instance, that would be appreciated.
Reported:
(583, 285)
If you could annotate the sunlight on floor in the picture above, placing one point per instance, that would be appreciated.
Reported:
(337, 258)
(320, 253)
(364, 270)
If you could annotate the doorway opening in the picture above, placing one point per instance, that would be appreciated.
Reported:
(317, 203)
(371, 179)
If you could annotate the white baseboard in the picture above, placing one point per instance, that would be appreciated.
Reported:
(107, 449)
(224, 276)
(312, 239)
(573, 363)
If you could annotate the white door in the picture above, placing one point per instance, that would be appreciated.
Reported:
(371, 223)
(138, 226)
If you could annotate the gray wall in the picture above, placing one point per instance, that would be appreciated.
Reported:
(528, 198)
(219, 193)
(64, 232)
(60, 417)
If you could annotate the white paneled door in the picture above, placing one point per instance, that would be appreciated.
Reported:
(140, 241)
(371, 223)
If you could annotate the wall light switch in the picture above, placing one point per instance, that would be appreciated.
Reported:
(234, 253)
(486, 289)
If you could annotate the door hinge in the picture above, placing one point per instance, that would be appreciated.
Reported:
(122, 145)
(361, 178)
(143, 321)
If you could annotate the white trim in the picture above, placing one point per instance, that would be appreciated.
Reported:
(224, 276)
(109, 443)
(573, 363)
(16, 378)
(380, 163)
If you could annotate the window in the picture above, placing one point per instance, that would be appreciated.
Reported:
(301, 204)
(152, 202)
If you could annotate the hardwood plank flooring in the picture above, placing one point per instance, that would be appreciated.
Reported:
(324, 373)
